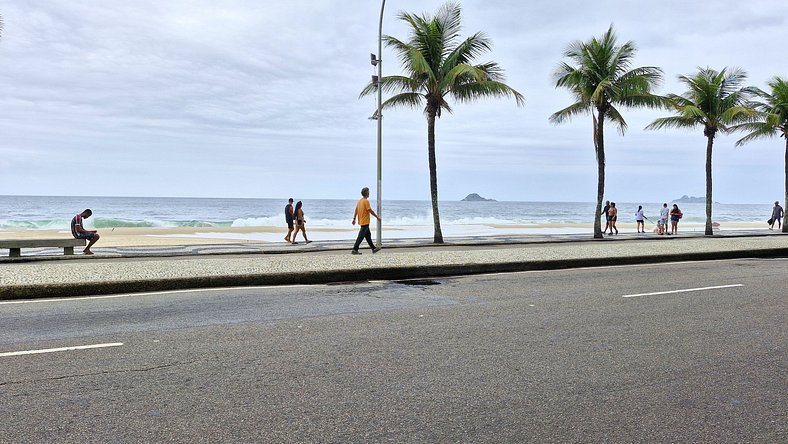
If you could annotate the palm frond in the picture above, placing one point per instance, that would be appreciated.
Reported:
(618, 119)
(462, 74)
(566, 114)
(404, 100)
(398, 84)
(476, 90)
(468, 50)
(736, 114)
(672, 122)
(755, 130)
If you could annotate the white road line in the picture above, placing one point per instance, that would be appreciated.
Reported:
(686, 290)
(53, 350)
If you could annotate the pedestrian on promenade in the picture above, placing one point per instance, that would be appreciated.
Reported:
(300, 223)
(79, 232)
(675, 215)
(289, 219)
(663, 218)
(777, 216)
(612, 213)
(639, 216)
(363, 210)
(606, 211)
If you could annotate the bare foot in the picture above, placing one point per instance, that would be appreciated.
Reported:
(87, 252)
(308, 242)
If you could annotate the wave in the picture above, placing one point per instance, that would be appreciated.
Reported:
(275, 221)
(99, 223)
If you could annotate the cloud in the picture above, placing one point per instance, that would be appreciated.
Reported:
(248, 98)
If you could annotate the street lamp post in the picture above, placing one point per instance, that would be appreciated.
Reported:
(379, 115)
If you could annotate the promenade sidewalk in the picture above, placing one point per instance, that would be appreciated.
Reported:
(139, 269)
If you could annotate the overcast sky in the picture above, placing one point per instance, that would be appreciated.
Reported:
(260, 98)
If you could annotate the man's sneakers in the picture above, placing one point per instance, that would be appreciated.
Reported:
(374, 250)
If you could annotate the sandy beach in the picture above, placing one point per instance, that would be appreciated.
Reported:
(148, 236)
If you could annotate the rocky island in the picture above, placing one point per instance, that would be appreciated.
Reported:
(473, 197)
(691, 199)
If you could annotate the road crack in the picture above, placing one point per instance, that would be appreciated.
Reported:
(104, 372)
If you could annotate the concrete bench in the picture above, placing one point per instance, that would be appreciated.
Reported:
(15, 245)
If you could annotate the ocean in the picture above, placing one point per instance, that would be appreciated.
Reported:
(410, 216)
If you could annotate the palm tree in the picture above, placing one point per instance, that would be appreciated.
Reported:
(600, 81)
(439, 65)
(714, 100)
(772, 121)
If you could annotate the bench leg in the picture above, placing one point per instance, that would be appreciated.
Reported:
(68, 251)
(15, 252)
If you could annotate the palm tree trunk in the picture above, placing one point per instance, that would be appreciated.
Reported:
(438, 236)
(709, 144)
(785, 201)
(599, 145)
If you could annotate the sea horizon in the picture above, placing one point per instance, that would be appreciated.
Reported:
(55, 212)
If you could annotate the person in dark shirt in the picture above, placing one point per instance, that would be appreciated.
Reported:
(289, 219)
(777, 216)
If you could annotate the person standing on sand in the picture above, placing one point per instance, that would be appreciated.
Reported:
(79, 232)
(363, 210)
(606, 211)
(663, 218)
(289, 219)
(639, 216)
(300, 223)
(675, 215)
(777, 216)
(612, 213)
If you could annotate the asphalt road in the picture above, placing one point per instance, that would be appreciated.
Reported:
(554, 356)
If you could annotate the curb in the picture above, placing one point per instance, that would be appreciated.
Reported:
(359, 275)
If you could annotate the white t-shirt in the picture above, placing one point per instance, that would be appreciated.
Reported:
(639, 215)
(663, 213)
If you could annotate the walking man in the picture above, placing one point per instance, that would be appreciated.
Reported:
(363, 210)
(612, 216)
(289, 220)
(79, 232)
(777, 216)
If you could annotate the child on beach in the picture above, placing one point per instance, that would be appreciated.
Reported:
(661, 226)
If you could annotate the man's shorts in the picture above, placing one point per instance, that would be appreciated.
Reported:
(290, 225)
(88, 236)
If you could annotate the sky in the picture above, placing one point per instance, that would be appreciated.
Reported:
(260, 98)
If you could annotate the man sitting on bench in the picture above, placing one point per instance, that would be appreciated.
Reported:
(79, 232)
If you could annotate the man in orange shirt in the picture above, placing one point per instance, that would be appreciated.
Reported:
(363, 210)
